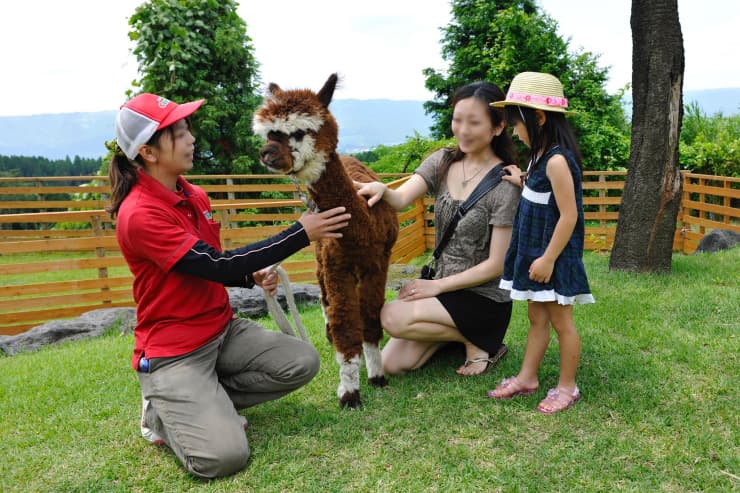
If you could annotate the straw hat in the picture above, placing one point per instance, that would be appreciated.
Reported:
(535, 90)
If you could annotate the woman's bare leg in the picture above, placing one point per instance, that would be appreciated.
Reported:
(401, 355)
(418, 329)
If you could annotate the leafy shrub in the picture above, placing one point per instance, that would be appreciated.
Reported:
(710, 144)
(402, 158)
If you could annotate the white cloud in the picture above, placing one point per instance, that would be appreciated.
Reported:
(64, 56)
(73, 55)
(708, 29)
(379, 48)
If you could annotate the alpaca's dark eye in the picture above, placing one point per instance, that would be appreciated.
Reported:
(278, 136)
(298, 134)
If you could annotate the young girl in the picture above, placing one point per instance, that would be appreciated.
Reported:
(197, 364)
(463, 303)
(544, 260)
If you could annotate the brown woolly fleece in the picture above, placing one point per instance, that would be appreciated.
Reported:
(301, 138)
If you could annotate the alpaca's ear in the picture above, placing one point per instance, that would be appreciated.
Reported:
(273, 89)
(327, 92)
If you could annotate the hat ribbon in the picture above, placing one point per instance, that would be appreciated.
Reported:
(537, 99)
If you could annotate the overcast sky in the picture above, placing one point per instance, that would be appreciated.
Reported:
(74, 55)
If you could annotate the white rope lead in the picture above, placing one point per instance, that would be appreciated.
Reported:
(277, 311)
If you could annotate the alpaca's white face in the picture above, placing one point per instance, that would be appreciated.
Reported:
(291, 144)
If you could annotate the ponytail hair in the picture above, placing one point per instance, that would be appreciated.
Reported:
(123, 177)
(122, 172)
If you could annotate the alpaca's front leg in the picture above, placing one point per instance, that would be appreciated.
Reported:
(349, 381)
(345, 327)
(374, 363)
(320, 273)
(372, 294)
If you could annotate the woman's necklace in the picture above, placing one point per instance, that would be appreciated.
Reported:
(465, 181)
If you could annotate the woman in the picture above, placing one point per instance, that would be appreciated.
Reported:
(463, 302)
(196, 363)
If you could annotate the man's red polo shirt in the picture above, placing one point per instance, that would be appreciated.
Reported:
(176, 313)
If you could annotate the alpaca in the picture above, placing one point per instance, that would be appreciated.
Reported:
(301, 140)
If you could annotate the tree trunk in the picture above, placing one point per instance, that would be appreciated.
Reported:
(652, 192)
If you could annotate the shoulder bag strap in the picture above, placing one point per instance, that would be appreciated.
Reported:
(488, 183)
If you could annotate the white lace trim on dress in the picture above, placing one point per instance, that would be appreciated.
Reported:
(546, 295)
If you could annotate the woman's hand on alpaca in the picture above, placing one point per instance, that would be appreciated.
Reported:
(324, 224)
(374, 190)
(418, 289)
(267, 279)
(541, 269)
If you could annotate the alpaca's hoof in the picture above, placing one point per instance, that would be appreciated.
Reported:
(351, 400)
(380, 381)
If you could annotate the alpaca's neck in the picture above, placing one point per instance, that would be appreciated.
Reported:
(334, 188)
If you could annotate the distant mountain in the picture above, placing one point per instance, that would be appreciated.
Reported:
(57, 136)
(363, 124)
(712, 101)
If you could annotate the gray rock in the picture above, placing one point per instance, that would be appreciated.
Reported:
(90, 324)
(251, 302)
(245, 302)
(719, 239)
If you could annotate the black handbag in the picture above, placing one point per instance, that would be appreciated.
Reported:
(488, 183)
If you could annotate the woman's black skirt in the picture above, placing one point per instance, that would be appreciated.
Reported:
(481, 320)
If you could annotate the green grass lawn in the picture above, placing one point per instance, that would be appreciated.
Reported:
(659, 413)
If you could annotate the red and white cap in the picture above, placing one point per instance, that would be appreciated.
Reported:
(140, 117)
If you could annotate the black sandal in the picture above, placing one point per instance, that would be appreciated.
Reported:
(490, 361)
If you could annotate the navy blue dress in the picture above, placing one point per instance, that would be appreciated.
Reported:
(533, 227)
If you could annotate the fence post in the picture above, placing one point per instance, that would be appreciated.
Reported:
(231, 197)
(225, 225)
(602, 206)
(97, 228)
(297, 196)
(727, 202)
(702, 198)
(683, 211)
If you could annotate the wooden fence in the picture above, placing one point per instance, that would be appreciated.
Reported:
(82, 268)
(88, 270)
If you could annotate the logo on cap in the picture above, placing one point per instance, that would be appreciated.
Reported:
(162, 102)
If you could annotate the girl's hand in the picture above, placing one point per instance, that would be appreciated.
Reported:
(514, 176)
(374, 190)
(541, 270)
(324, 224)
(418, 289)
(267, 279)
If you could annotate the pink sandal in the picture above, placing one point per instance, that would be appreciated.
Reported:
(513, 386)
(558, 400)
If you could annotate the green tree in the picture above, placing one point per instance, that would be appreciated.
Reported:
(710, 144)
(41, 166)
(495, 40)
(192, 49)
(405, 157)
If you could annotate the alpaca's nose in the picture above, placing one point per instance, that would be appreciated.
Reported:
(266, 155)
